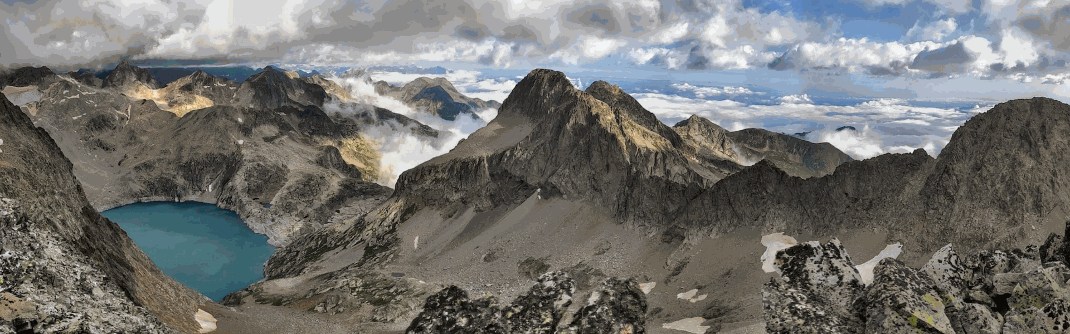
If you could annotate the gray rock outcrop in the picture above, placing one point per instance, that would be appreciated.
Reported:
(617, 306)
(986, 292)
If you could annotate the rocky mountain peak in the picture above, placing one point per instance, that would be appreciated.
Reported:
(126, 73)
(47, 208)
(537, 94)
(708, 139)
(273, 88)
(435, 95)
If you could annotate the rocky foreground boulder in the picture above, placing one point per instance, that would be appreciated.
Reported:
(617, 306)
(986, 292)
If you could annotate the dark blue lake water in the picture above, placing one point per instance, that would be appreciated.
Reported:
(206, 248)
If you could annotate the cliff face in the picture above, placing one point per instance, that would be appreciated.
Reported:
(1004, 169)
(62, 256)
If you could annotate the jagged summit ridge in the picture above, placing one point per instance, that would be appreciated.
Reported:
(601, 147)
(273, 88)
(126, 74)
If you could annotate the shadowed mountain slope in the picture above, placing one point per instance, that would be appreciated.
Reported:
(47, 214)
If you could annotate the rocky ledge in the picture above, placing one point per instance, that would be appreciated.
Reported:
(821, 290)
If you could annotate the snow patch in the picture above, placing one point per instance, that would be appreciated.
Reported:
(690, 296)
(866, 269)
(646, 287)
(774, 243)
(206, 320)
(693, 325)
(416, 242)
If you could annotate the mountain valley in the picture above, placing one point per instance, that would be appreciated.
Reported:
(579, 204)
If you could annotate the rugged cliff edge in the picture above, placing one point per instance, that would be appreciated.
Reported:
(64, 267)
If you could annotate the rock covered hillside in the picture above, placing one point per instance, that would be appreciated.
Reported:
(823, 291)
(63, 266)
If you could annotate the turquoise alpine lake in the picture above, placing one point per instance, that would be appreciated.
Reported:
(200, 245)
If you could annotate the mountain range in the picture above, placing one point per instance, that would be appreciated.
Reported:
(588, 183)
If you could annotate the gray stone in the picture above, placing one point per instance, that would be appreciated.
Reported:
(902, 300)
(979, 319)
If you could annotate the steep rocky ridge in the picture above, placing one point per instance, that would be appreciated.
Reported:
(25, 76)
(273, 88)
(126, 75)
(60, 255)
(437, 96)
(710, 145)
(793, 155)
(1004, 171)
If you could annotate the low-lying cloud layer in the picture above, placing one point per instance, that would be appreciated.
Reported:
(399, 148)
(862, 130)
